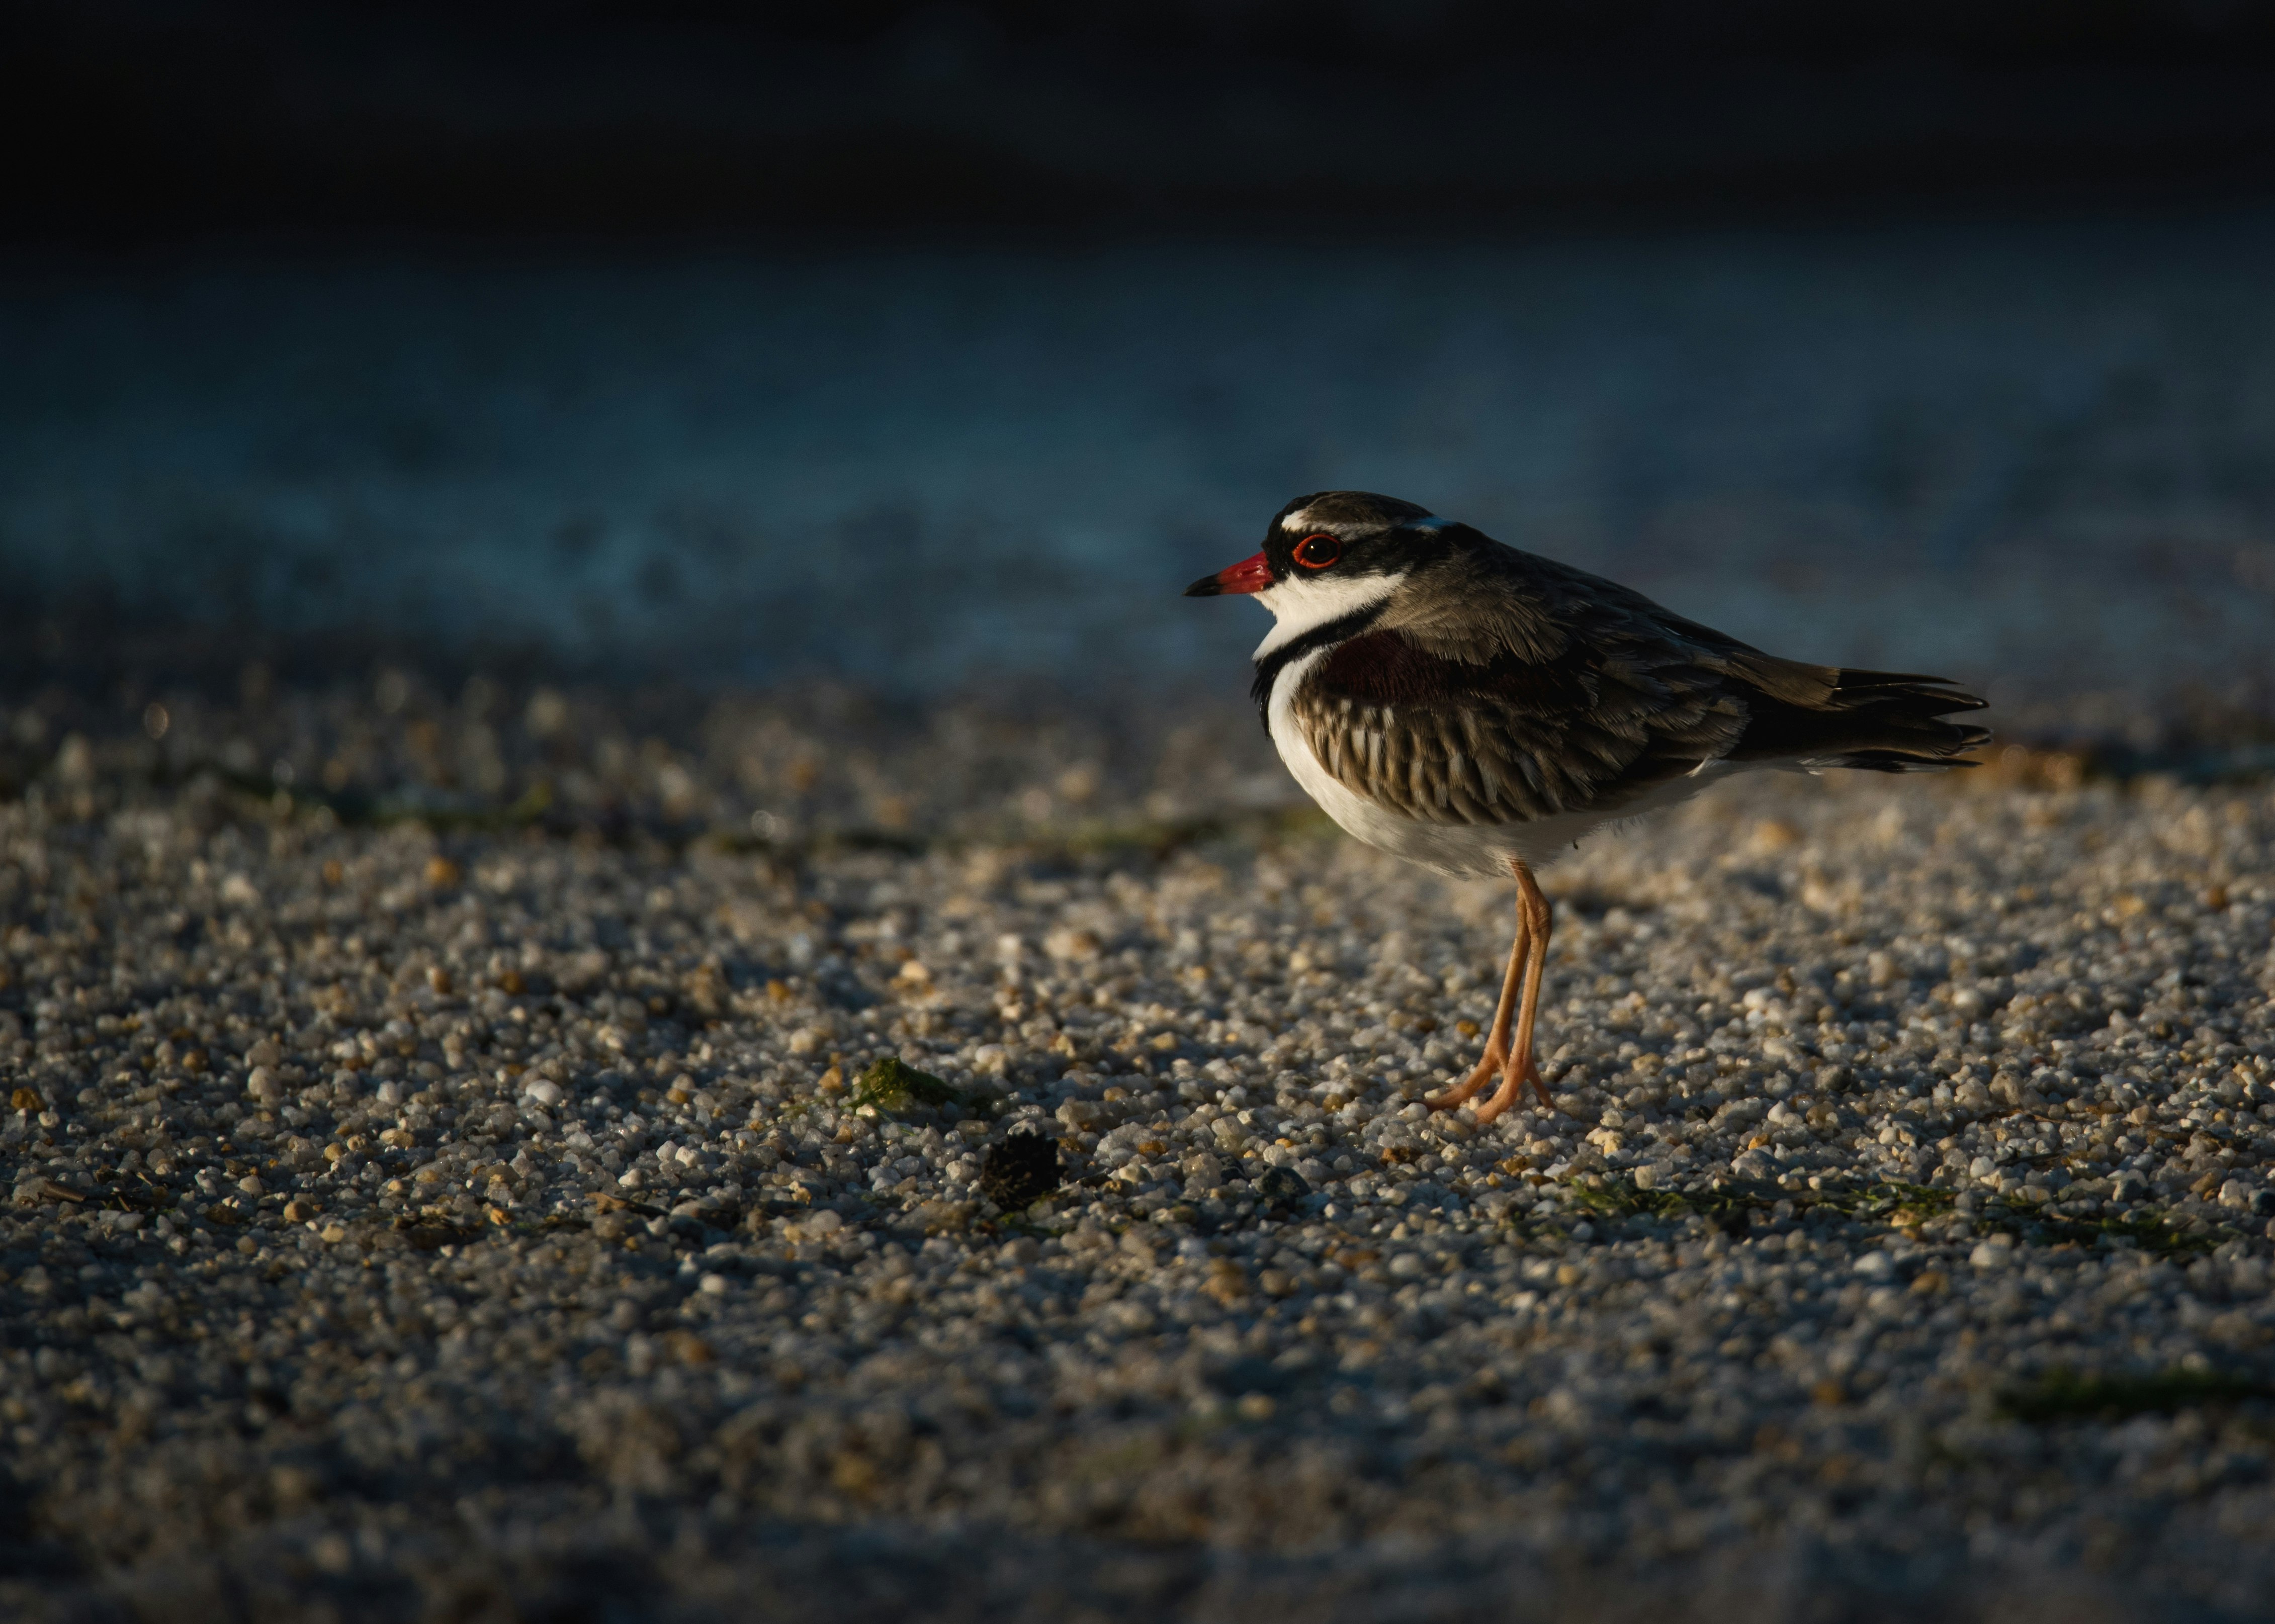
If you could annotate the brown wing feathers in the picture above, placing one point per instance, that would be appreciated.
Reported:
(1574, 694)
(1510, 740)
(1887, 722)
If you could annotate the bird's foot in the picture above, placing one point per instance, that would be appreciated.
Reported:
(1515, 1072)
(1495, 1061)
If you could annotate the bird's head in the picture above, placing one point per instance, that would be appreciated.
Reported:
(1329, 555)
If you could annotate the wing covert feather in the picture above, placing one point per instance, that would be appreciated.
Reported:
(1561, 700)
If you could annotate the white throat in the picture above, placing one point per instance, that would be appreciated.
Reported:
(1306, 603)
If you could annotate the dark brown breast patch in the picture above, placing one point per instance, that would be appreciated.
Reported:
(1385, 668)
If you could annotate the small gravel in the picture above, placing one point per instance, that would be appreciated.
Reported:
(401, 1218)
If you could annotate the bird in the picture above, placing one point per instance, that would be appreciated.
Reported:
(1479, 710)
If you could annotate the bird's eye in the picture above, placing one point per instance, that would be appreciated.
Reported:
(1318, 552)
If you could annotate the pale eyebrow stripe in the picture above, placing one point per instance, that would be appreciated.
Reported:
(1428, 521)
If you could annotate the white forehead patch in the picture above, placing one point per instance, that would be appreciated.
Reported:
(1297, 521)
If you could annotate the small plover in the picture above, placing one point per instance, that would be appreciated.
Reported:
(1477, 710)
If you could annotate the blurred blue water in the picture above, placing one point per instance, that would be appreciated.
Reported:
(2038, 455)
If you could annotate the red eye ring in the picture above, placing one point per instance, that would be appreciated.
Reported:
(1316, 552)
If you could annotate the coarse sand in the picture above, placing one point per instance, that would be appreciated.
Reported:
(425, 1212)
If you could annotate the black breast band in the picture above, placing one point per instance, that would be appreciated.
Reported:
(1268, 666)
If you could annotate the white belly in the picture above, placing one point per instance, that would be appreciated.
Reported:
(1463, 849)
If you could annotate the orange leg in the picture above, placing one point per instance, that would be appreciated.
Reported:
(1496, 1055)
(1523, 1066)
(1528, 965)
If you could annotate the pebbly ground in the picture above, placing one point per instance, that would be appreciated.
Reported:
(496, 1216)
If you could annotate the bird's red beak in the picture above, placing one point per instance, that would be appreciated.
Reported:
(1249, 575)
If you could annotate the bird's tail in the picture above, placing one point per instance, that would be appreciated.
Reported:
(1883, 721)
